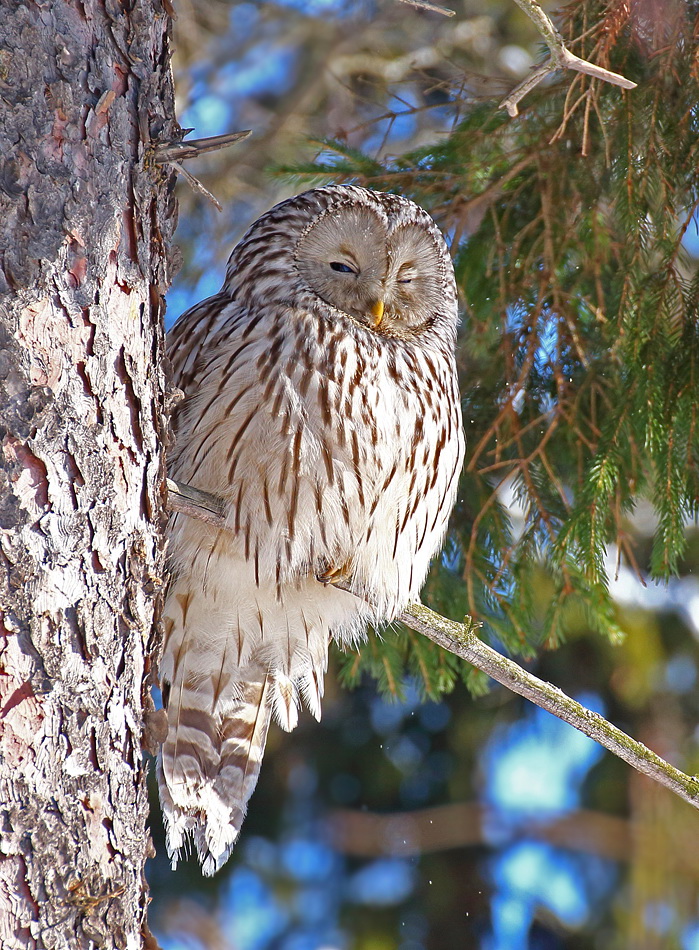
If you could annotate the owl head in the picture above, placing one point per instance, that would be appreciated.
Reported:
(375, 258)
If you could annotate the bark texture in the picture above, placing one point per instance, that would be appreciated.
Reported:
(85, 219)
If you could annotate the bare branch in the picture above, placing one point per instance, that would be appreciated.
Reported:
(560, 58)
(195, 503)
(460, 639)
(174, 152)
(179, 151)
(465, 824)
(432, 7)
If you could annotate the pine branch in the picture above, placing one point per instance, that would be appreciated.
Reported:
(560, 58)
(460, 640)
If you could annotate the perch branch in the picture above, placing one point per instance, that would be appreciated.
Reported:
(460, 639)
(560, 57)
(195, 503)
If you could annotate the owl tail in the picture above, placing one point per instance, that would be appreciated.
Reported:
(209, 765)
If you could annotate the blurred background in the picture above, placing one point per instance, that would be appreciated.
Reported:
(430, 809)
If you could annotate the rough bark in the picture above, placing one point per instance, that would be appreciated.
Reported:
(85, 218)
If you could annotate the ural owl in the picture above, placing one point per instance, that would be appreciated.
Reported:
(322, 405)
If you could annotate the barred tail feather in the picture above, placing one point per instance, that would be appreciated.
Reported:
(209, 765)
(230, 662)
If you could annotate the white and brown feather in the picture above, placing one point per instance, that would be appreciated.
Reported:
(336, 444)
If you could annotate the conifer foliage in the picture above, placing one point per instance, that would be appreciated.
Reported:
(580, 345)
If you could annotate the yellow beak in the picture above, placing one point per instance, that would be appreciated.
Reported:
(377, 312)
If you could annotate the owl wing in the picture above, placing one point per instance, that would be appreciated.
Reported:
(247, 624)
(196, 335)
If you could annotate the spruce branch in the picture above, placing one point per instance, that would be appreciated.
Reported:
(461, 640)
(560, 57)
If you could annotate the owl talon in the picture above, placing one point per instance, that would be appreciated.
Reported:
(331, 575)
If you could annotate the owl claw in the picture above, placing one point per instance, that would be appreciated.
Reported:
(331, 575)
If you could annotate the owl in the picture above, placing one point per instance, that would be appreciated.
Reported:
(322, 404)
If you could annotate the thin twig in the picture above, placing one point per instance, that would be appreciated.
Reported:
(461, 640)
(196, 184)
(560, 58)
(432, 7)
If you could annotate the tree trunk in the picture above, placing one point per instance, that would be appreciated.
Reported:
(86, 218)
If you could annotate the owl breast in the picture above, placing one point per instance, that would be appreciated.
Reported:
(336, 458)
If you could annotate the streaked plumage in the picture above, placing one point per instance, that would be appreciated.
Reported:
(322, 405)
